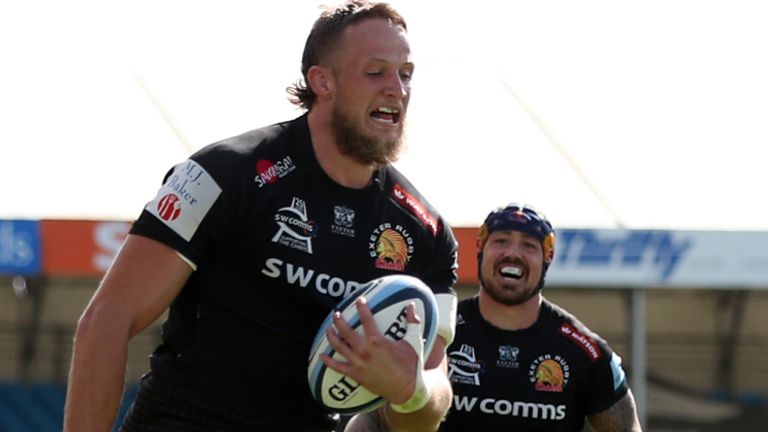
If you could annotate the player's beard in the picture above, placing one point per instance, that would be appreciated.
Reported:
(506, 296)
(361, 147)
(500, 295)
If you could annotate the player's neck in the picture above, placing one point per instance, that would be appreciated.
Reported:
(506, 317)
(339, 167)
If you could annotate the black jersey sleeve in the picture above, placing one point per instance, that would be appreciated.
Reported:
(439, 264)
(608, 383)
(440, 271)
(196, 207)
(605, 381)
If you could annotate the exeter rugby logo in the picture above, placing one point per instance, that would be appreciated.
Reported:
(343, 221)
(508, 357)
(549, 373)
(391, 246)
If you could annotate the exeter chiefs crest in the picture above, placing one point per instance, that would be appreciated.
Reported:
(508, 357)
(549, 373)
(343, 221)
(392, 247)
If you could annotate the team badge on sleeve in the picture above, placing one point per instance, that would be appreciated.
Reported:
(185, 198)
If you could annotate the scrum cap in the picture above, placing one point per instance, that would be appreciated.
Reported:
(519, 217)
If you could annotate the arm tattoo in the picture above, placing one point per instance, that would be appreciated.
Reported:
(621, 417)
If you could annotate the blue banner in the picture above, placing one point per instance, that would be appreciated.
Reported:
(660, 259)
(660, 252)
(20, 251)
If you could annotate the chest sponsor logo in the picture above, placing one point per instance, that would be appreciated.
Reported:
(390, 246)
(268, 172)
(504, 407)
(295, 230)
(549, 373)
(185, 198)
(415, 206)
(463, 366)
(508, 357)
(584, 342)
(343, 220)
(296, 275)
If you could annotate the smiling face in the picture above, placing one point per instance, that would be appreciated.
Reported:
(511, 267)
(372, 73)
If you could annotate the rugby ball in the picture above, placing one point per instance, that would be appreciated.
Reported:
(387, 297)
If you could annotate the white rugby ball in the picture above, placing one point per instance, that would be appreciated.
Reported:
(387, 298)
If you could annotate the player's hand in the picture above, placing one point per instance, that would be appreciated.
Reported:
(383, 366)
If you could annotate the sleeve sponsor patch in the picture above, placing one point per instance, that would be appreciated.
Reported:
(185, 198)
(584, 342)
(409, 202)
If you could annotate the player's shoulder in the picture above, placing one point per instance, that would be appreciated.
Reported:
(573, 332)
(468, 304)
(408, 198)
(468, 311)
(260, 140)
(274, 149)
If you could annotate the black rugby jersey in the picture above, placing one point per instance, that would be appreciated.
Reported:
(547, 377)
(277, 244)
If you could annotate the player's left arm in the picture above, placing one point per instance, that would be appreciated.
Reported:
(619, 417)
(435, 375)
(421, 412)
(426, 418)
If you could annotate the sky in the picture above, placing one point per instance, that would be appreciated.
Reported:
(603, 114)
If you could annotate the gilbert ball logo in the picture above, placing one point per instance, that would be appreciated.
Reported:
(169, 207)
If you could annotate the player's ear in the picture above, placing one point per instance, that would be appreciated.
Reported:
(320, 80)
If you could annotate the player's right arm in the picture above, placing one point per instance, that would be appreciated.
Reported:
(142, 282)
(621, 417)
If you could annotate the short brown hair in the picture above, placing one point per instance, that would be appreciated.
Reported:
(324, 39)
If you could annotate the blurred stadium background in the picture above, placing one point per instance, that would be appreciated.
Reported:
(702, 345)
(638, 128)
